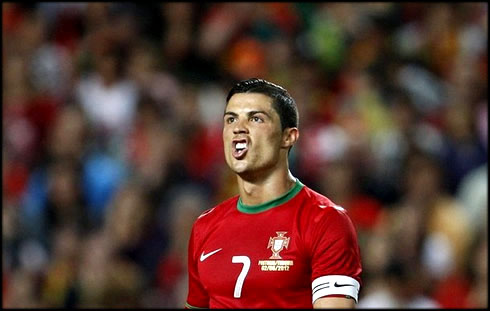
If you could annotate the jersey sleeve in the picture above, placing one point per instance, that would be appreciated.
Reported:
(197, 296)
(335, 255)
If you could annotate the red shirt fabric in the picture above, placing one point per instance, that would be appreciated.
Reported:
(284, 253)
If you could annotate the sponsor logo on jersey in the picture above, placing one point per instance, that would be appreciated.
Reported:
(277, 244)
(203, 257)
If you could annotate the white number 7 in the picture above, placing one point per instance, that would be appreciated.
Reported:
(241, 278)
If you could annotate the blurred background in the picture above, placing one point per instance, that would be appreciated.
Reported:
(112, 120)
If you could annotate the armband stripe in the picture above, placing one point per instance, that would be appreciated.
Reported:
(320, 287)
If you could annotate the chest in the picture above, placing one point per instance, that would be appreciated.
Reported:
(255, 255)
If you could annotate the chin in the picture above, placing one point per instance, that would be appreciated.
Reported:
(239, 168)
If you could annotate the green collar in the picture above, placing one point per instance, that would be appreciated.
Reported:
(253, 209)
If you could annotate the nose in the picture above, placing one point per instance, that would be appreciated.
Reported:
(240, 127)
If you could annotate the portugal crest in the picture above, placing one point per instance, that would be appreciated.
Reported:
(277, 244)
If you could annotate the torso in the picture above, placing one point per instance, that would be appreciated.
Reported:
(249, 256)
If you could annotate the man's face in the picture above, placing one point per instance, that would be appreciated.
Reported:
(251, 133)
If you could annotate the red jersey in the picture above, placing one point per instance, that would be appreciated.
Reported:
(285, 253)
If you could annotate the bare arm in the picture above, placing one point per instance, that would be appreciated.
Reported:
(334, 302)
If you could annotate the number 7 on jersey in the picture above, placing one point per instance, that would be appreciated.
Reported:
(241, 277)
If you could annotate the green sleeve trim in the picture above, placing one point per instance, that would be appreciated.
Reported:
(188, 306)
(253, 209)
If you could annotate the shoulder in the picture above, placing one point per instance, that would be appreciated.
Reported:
(212, 218)
(216, 213)
(319, 213)
(327, 225)
(317, 203)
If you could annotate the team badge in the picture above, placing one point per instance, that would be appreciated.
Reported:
(277, 244)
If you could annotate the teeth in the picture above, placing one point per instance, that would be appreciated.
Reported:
(241, 145)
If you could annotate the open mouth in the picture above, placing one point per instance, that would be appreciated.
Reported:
(240, 148)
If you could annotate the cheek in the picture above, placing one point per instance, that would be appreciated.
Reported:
(275, 136)
(271, 141)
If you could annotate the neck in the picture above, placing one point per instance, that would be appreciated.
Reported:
(260, 190)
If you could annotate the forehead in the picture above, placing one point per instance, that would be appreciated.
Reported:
(249, 101)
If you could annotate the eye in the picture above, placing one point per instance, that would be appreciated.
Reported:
(229, 120)
(257, 119)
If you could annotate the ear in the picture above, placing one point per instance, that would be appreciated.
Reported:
(289, 137)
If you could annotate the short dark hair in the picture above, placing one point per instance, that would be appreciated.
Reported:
(282, 101)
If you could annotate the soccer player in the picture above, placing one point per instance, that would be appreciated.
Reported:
(278, 244)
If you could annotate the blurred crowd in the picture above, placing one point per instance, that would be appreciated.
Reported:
(112, 120)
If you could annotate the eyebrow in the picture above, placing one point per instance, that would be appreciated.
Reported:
(250, 113)
(230, 113)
